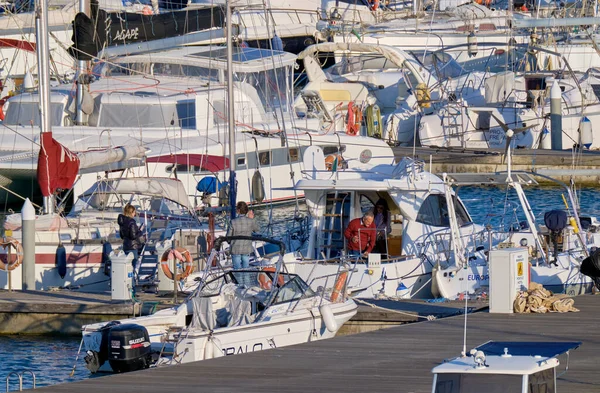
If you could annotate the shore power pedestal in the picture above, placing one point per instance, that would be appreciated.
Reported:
(509, 274)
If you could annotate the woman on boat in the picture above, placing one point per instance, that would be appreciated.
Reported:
(382, 223)
(243, 225)
(133, 237)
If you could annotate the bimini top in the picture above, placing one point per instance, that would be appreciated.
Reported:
(159, 187)
(508, 358)
(215, 57)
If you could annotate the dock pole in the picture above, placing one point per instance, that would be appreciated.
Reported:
(28, 222)
(556, 116)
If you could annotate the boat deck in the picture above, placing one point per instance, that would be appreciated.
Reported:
(397, 359)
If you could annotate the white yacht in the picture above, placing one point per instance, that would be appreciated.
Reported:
(420, 233)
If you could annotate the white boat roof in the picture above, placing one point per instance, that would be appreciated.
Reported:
(509, 358)
(513, 365)
(244, 59)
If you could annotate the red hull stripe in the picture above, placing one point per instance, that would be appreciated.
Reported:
(18, 44)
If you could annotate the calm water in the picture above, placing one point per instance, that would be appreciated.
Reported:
(52, 359)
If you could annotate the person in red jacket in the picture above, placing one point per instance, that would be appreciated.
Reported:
(361, 234)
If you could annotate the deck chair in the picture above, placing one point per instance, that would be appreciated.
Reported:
(146, 270)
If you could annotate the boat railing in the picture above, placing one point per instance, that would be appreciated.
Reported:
(439, 243)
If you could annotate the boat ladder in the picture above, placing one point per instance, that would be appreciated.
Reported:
(452, 121)
(20, 376)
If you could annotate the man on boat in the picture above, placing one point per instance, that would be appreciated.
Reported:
(243, 225)
(361, 234)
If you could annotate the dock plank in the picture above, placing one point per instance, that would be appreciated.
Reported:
(397, 359)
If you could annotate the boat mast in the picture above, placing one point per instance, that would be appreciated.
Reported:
(41, 31)
(231, 111)
(82, 65)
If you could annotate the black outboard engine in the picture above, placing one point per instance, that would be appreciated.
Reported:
(556, 221)
(129, 348)
(590, 266)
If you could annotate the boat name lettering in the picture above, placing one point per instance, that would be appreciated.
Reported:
(127, 34)
(242, 349)
(478, 277)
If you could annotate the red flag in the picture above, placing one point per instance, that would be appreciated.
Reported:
(57, 165)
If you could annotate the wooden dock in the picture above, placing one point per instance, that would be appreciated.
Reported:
(64, 312)
(397, 359)
(558, 164)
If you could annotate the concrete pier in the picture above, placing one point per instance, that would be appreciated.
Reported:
(557, 164)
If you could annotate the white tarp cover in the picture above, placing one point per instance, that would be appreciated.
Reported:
(171, 189)
(204, 316)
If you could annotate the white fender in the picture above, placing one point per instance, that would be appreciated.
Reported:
(328, 318)
(208, 349)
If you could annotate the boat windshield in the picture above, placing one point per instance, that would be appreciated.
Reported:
(28, 113)
(442, 65)
(434, 211)
(290, 287)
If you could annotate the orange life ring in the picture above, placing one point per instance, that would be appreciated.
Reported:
(339, 286)
(354, 119)
(374, 5)
(11, 261)
(183, 255)
(265, 282)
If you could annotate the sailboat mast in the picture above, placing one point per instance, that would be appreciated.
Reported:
(85, 8)
(43, 60)
(230, 110)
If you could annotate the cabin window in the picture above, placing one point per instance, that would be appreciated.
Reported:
(241, 162)
(434, 211)
(366, 204)
(28, 113)
(183, 168)
(327, 150)
(186, 111)
(489, 383)
(293, 155)
(119, 114)
(219, 111)
(264, 157)
(542, 381)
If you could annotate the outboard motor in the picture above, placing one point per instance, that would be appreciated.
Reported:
(94, 360)
(556, 221)
(590, 266)
(129, 348)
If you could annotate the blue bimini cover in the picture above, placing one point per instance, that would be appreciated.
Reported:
(528, 348)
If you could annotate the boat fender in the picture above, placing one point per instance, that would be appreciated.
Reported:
(106, 250)
(374, 5)
(340, 282)
(61, 261)
(586, 134)
(209, 349)
(328, 318)
(258, 187)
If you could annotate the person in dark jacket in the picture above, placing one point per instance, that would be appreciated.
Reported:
(133, 237)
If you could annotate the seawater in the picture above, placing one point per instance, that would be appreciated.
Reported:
(52, 358)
